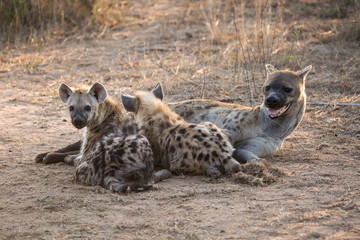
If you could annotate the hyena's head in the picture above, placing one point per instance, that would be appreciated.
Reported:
(144, 104)
(284, 90)
(82, 104)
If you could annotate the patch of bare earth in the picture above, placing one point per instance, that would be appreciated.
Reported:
(319, 198)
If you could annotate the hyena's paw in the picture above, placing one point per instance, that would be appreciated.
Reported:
(244, 156)
(53, 157)
(40, 157)
(161, 175)
(72, 159)
(213, 172)
(118, 187)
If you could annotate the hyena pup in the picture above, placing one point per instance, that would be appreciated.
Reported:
(182, 147)
(112, 152)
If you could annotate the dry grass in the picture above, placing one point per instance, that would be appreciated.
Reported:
(211, 49)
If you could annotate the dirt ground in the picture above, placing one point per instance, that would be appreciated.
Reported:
(320, 199)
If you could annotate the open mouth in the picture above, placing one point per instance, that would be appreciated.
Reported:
(274, 113)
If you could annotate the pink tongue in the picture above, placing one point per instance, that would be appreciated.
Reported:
(272, 111)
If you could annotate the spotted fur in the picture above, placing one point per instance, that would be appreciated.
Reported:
(112, 153)
(180, 146)
(251, 130)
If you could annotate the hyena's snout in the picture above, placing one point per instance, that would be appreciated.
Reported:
(79, 121)
(274, 101)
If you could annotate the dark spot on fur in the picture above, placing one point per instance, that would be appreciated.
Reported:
(183, 164)
(185, 155)
(206, 144)
(209, 106)
(213, 130)
(133, 150)
(172, 149)
(225, 120)
(206, 158)
(245, 114)
(132, 159)
(200, 156)
(182, 131)
(219, 136)
(110, 141)
(174, 129)
(192, 126)
(215, 154)
(164, 125)
(189, 113)
(133, 144)
(198, 138)
(238, 115)
(242, 119)
(194, 155)
(178, 139)
(180, 145)
(119, 152)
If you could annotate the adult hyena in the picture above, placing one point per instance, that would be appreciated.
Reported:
(183, 147)
(255, 132)
(112, 152)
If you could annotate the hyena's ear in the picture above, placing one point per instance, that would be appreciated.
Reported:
(158, 92)
(270, 69)
(304, 72)
(65, 92)
(129, 103)
(98, 91)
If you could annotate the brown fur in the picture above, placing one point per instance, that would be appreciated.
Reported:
(112, 151)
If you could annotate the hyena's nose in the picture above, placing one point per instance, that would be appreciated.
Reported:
(78, 122)
(272, 101)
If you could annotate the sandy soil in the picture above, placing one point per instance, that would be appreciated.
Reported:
(320, 199)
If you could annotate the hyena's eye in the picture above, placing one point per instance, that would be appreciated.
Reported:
(71, 108)
(87, 108)
(267, 88)
(288, 90)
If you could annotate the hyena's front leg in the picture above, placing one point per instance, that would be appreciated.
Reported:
(59, 155)
(244, 156)
(254, 149)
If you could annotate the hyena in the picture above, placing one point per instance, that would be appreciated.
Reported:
(183, 147)
(112, 152)
(255, 132)
(259, 131)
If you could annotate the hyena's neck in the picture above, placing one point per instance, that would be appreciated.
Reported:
(156, 122)
(108, 115)
(107, 111)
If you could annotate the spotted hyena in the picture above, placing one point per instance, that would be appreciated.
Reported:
(112, 152)
(182, 147)
(255, 132)
(259, 131)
